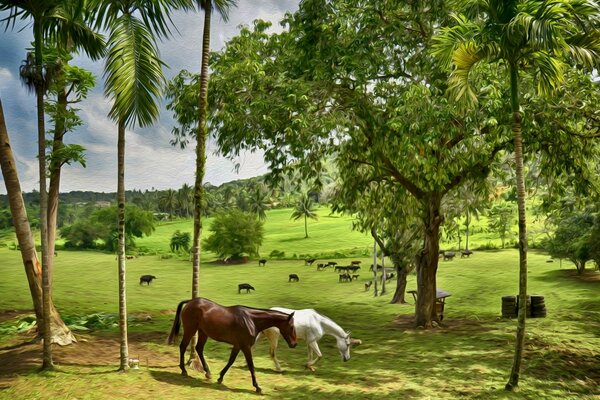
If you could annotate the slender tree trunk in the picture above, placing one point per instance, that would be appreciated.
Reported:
(61, 334)
(374, 232)
(200, 161)
(383, 273)
(305, 227)
(513, 380)
(124, 350)
(427, 264)
(467, 230)
(46, 272)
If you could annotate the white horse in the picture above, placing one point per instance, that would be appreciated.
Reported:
(311, 326)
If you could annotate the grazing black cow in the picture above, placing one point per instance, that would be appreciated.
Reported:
(243, 286)
(465, 253)
(354, 268)
(331, 264)
(321, 267)
(368, 285)
(147, 279)
(355, 277)
(262, 262)
(389, 276)
(449, 255)
(309, 261)
(345, 278)
(356, 262)
(294, 278)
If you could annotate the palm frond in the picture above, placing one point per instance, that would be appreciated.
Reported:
(463, 59)
(133, 72)
(584, 48)
(450, 38)
(549, 71)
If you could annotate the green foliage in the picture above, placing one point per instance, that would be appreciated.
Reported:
(304, 209)
(573, 239)
(22, 325)
(180, 241)
(102, 224)
(501, 220)
(235, 233)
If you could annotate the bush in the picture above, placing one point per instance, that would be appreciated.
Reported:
(277, 254)
(234, 234)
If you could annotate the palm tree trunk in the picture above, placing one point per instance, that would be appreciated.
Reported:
(513, 380)
(305, 226)
(468, 223)
(18, 212)
(46, 273)
(200, 161)
(124, 351)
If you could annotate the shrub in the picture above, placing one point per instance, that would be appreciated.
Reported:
(235, 233)
(277, 254)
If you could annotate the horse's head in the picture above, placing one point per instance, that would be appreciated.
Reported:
(343, 345)
(288, 331)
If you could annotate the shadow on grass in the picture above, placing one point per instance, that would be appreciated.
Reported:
(173, 378)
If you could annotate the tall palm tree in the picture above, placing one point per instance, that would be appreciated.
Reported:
(304, 208)
(535, 35)
(168, 202)
(222, 7)
(133, 80)
(185, 197)
(259, 202)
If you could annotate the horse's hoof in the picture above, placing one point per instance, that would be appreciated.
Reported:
(258, 390)
(184, 373)
(208, 376)
(220, 380)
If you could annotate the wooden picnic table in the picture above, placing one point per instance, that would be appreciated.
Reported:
(440, 300)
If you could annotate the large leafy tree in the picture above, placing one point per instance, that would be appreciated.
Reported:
(133, 80)
(523, 35)
(373, 115)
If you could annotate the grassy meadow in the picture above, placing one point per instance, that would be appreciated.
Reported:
(469, 356)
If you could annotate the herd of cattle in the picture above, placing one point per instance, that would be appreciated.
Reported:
(346, 273)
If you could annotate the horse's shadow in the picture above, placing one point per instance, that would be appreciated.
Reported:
(178, 379)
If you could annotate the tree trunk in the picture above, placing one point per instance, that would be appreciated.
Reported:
(400, 292)
(468, 223)
(60, 332)
(427, 264)
(124, 348)
(383, 274)
(200, 161)
(46, 272)
(305, 226)
(513, 380)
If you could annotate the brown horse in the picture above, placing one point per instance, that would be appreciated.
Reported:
(236, 325)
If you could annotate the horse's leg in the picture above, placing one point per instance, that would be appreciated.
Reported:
(248, 354)
(234, 353)
(273, 335)
(313, 348)
(202, 338)
(185, 341)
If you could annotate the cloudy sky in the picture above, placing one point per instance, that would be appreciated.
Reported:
(151, 161)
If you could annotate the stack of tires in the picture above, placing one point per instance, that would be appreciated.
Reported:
(538, 306)
(535, 306)
(509, 306)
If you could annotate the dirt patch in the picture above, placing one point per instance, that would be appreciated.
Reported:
(588, 276)
(24, 354)
(407, 322)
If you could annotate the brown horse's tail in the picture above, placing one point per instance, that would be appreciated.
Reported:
(176, 324)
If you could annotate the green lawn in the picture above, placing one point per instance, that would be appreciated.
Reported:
(469, 357)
